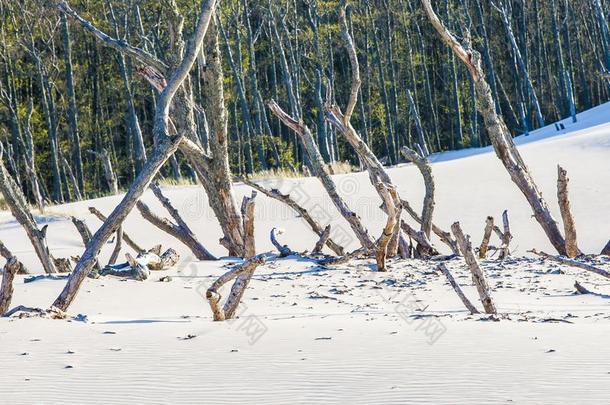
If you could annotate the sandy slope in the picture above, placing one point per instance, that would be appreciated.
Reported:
(347, 334)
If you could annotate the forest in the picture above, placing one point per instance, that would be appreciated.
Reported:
(77, 116)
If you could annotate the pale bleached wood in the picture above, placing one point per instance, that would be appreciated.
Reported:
(572, 263)
(422, 163)
(164, 147)
(458, 290)
(12, 267)
(498, 132)
(302, 212)
(489, 226)
(569, 225)
(7, 254)
(478, 277)
(247, 214)
(283, 249)
(392, 208)
(243, 273)
(319, 168)
(85, 234)
(322, 241)
(126, 237)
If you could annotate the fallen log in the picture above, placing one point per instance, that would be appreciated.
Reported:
(139, 268)
(572, 263)
(242, 273)
(458, 290)
(478, 277)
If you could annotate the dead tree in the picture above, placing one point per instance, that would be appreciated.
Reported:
(478, 277)
(7, 254)
(342, 123)
(302, 212)
(12, 267)
(179, 230)
(458, 290)
(498, 132)
(247, 214)
(489, 226)
(324, 237)
(242, 273)
(109, 175)
(283, 249)
(505, 236)
(16, 202)
(117, 246)
(126, 237)
(319, 169)
(444, 236)
(569, 225)
(165, 146)
(392, 208)
(85, 234)
(572, 263)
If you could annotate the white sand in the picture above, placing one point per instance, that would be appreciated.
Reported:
(341, 335)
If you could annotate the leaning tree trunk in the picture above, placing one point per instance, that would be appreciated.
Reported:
(499, 135)
(165, 146)
(16, 202)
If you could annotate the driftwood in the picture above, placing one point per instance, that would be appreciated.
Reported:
(320, 172)
(18, 206)
(356, 254)
(302, 212)
(126, 237)
(572, 263)
(12, 267)
(164, 146)
(458, 290)
(283, 249)
(497, 130)
(62, 265)
(7, 254)
(324, 237)
(569, 225)
(581, 289)
(139, 267)
(117, 246)
(489, 226)
(247, 215)
(478, 277)
(242, 273)
(391, 204)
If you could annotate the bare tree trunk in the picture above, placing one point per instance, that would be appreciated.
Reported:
(230, 307)
(478, 277)
(392, 208)
(117, 246)
(109, 176)
(324, 237)
(247, 214)
(165, 146)
(12, 267)
(283, 249)
(498, 133)
(458, 290)
(126, 237)
(7, 254)
(569, 225)
(302, 212)
(15, 200)
(421, 162)
(320, 172)
(85, 234)
(489, 226)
